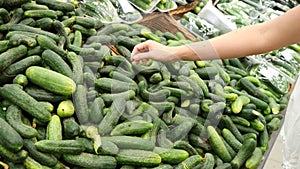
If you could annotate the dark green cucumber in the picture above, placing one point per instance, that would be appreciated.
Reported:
(13, 117)
(44, 95)
(231, 139)
(60, 146)
(138, 158)
(43, 158)
(71, 128)
(18, 39)
(12, 55)
(108, 148)
(21, 27)
(84, 31)
(96, 109)
(274, 124)
(236, 70)
(4, 14)
(11, 139)
(180, 131)
(136, 127)
(80, 104)
(227, 122)
(258, 102)
(76, 66)
(56, 63)
(32, 6)
(253, 90)
(16, 95)
(114, 85)
(91, 160)
(16, 157)
(22, 65)
(109, 98)
(46, 43)
(110, 120)
(131, 142)
(60, 84)
(244, 153)
(44, 23)
(57, 5)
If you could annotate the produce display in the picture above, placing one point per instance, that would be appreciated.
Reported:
(71, 97)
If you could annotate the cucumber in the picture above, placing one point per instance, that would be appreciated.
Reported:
(136, 127)
(25, 28)
(13, 117)
(4, 15)
(32, 6)
(71, 128)
(44, 95)
(11, 139)
(90, 160)
(109, 98)
(54, 129)
(131, 142)
(51, 80)
(236, 70)
(12, 55)
(184, 145)
(231, 140)
(240, 120)
(76, 66)
(274, 124)
(138, 158)
(180, 131)
(57, 5)
(171, 156)
(190, 162)
(41, 13)
(258, 102)
(16, 95)
(253, 90)
(86, 32)
(237, 105)
(257, 125)
(207, 72)
(227, 122)
(80, 104)
(44, 23)
(46, 43)
(16, 157)
(56, 63)
(244, 153)
(254, 160)
(218, 144)
(209, 161)
(111, 119)
(114, 85)
(43, 158)
(88, 22)
(18, 39)
(20, 79)
(60, 146)
(23, 64)
(108, 148)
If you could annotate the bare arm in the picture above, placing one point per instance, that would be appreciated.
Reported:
(249, 40)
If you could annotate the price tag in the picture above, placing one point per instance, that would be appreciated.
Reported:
(126, 6)
(287, 54)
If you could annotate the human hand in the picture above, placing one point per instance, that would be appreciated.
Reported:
(153, 50)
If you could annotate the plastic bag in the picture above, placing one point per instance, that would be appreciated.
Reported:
(291, 134)
(100, 9)
(217, 18)
(127, 13)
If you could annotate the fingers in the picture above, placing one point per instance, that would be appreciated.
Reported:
(142, 47)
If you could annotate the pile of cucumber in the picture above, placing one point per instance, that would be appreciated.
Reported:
(71, 98)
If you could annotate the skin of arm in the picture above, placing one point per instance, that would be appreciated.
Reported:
(249, 40)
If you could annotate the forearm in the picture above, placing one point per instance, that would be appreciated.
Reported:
(249, 40)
